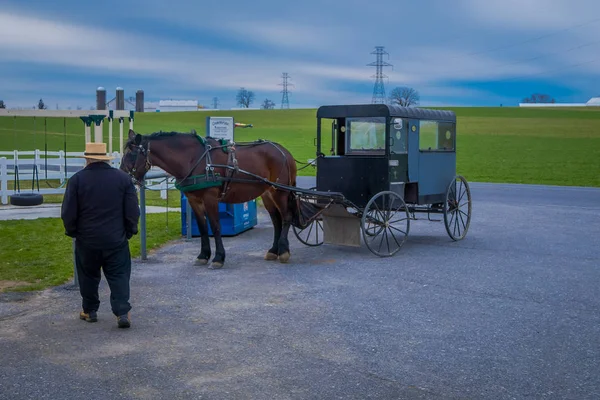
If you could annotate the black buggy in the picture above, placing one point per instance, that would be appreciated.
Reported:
(383, 164)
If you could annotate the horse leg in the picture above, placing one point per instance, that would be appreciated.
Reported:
(205, 251)
(211, 205)
(270, 206)
(282, 200)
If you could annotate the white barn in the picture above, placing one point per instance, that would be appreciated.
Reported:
(594, 101)
(177, 105)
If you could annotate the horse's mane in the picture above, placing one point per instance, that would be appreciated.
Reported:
(163, 134)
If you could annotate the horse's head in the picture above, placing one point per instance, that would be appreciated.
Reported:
(135, 156)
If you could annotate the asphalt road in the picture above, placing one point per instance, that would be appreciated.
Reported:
(511, 312)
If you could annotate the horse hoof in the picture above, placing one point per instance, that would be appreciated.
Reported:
(284, 257)
(215, 265)
(270, 256)
(201, 261)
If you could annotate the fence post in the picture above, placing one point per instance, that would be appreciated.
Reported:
(3, 180)
(121, 135)
(143, 220)
(61, 166)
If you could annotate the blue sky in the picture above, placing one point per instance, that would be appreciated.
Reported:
(459, 52)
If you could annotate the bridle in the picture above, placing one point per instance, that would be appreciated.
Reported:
(137, 150)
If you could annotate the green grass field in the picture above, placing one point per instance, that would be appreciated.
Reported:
(494, 144)
(520, 145)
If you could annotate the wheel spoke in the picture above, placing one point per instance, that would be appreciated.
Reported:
(396, 240)
(456, 227)
(398, 229)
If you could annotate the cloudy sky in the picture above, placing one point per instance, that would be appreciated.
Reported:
(454, 52)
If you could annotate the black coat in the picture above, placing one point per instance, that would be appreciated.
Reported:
(100, 206)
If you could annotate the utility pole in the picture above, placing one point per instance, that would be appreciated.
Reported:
(285, 102)
(378, 89)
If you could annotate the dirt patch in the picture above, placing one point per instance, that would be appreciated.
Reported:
(11, 284)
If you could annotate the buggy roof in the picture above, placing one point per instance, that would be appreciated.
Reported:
(384, 110)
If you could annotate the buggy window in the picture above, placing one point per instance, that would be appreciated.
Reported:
(365, 135)
(436, 136)
(398, 138)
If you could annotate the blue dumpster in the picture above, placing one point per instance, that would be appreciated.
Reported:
(235, 218)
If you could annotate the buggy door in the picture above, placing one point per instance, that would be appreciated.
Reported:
(398, 155)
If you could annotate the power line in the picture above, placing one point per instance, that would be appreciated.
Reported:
(545, 72)
(478, 52)
(536, 57)
(551, 54)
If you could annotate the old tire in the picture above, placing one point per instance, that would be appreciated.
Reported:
(26, 199)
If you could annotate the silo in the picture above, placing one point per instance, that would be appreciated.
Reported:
(120, 99)
(139, 101)
(100, 98)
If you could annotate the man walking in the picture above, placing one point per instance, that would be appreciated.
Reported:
(100, 210)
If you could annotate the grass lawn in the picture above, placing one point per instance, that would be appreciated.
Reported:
(558, 146)
(36, 254)
(494, 144)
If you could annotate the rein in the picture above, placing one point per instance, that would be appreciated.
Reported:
(209, 178)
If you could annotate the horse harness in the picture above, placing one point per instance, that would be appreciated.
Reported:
(210, 178)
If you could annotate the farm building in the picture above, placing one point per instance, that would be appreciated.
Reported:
(594, 101)
(177, 105)
(151, 106)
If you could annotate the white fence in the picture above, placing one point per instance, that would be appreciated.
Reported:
(22, 169)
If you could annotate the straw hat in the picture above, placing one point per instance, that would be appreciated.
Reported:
(96, 151)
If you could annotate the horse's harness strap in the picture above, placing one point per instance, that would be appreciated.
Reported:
(232, 162)
(198, 182)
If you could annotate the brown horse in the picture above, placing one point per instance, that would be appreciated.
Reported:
(210, 171)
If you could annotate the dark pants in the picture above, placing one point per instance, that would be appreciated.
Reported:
(116, 264)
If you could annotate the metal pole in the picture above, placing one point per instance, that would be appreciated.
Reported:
(188, 219)
(75, 277)
(143, 220)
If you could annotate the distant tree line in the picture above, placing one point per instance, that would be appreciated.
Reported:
(539, 98)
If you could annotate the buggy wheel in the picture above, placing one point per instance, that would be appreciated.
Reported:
(457, 208)
(387, 212)
(312, 235)
(372, 228)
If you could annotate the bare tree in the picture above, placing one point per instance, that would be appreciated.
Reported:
(245, 97)
(539, 98)
(41, 105)
(404, 96)
(268, 104)
(2, 105)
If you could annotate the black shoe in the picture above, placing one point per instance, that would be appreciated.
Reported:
(89, 317)
(124, 321)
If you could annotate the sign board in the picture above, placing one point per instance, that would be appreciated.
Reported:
(220, 127)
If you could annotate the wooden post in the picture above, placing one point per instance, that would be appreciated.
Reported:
(3, 180)
(121, 136)
(110, 131)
